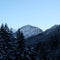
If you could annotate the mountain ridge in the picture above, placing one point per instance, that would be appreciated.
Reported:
(44, 35)
(29, 30)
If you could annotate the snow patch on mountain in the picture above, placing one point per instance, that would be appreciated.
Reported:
(29, 31)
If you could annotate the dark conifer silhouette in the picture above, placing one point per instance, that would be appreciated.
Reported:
(12, 46)
(20, 44)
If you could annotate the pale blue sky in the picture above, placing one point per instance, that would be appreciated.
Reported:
(39, 13)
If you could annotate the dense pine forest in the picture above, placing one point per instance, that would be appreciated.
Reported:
(13, 46)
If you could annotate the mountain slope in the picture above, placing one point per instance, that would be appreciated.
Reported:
(29, 31)
(44, 36)
(50, 44)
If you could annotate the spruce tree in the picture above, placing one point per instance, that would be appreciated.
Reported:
(7, 44)
(20, 43)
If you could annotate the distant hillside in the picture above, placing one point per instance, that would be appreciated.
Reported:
(44, 35)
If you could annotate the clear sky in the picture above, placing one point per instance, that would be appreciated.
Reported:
(39, 13)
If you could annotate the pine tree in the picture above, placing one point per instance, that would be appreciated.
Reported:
(6, 28)
(8, 50)
(20, 43)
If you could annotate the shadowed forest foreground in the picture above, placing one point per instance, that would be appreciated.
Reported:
(44, 46)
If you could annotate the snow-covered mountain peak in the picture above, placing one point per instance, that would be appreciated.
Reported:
(27, 27)
(29, 31)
